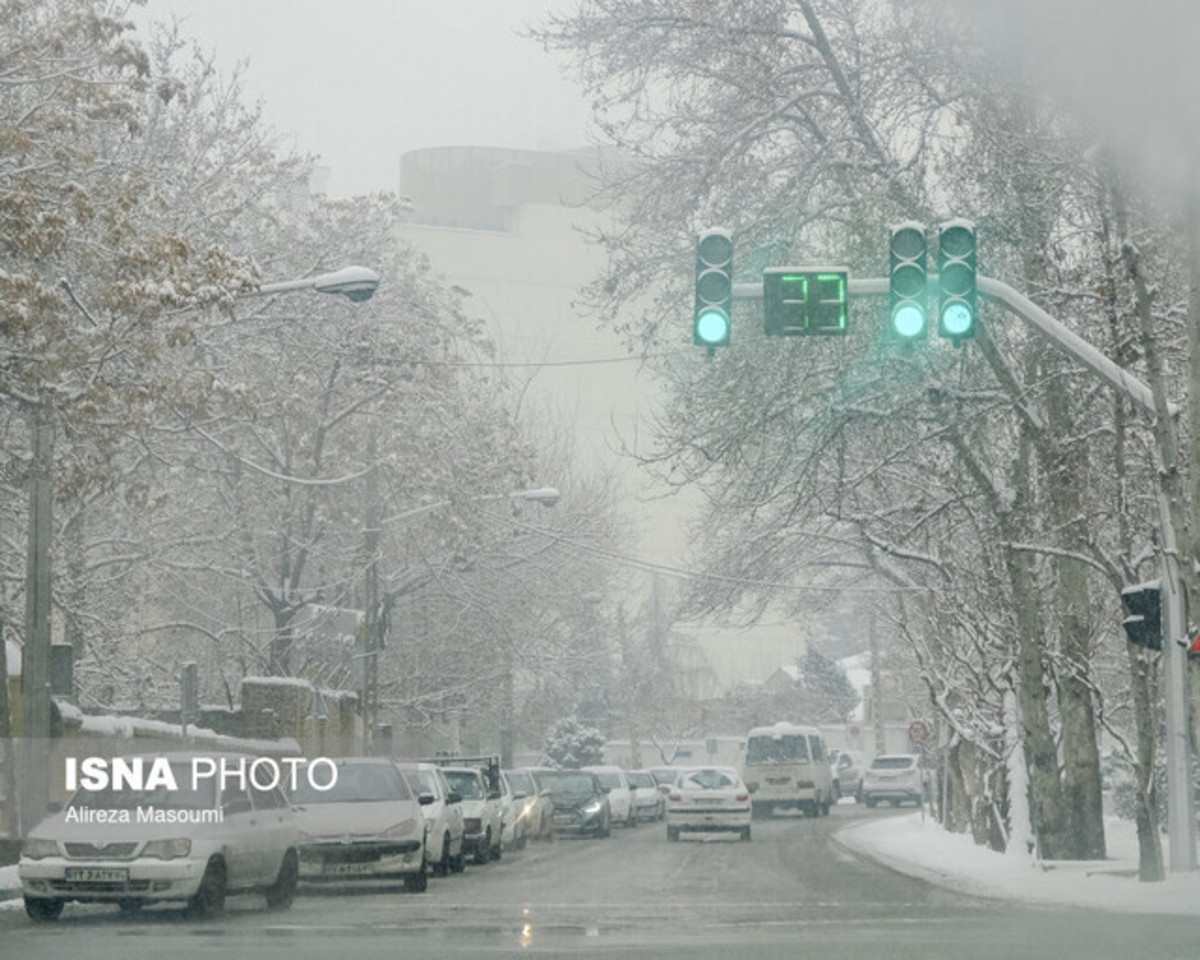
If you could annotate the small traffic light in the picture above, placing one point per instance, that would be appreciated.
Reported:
(1143, 604)
(909, 316)
(956, 279)
(714, 289)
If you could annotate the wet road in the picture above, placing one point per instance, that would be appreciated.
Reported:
(790, 892)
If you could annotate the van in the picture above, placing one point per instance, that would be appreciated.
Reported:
(787, 766)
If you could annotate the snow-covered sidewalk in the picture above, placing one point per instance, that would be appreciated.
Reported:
(923, 849)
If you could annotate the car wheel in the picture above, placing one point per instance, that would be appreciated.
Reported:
(837, 790)
(870, 802)
(458, 864)
(209, 900)
(443, 866)
(42, 910)
(632, 820)
(130, 907)
(483, 852)
(417, 882)
(673, 834)
(745, 833)
(858, 796)
(283, 891)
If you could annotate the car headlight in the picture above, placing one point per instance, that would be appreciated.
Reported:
(37, 849)
(594, 807)
(167, 849)
(402, 829)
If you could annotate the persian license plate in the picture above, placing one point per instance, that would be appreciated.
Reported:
(96, 875)
(347, 869)
(778, 780)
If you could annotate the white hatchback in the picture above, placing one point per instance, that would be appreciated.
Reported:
(620, 797)
(708, 799)
(441, 809)
(483, 818)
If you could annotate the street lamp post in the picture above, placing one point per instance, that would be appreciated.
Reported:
(357, 284)
(546, 496)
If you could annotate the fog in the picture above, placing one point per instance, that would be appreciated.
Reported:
(1130, 71)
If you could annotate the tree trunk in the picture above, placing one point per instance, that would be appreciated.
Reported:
(1081, 753)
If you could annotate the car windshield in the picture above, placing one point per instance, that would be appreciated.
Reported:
(608, 779)
(639, 779)
(182, 796)
(520, 781)
(356, 783)
(466, 783)
(779, 748)
(567, 781)
(892, 763)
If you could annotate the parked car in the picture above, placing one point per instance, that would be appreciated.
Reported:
(648, 802)
(895, 777)
(441, 809)
(218, 842)
(708, 799)
(846, 766)
(581, 805)
(531, 809)
(620, 797)
(664, 777)
(368, 826)
(482, 814)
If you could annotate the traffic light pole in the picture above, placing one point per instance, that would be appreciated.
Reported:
(1181, 822)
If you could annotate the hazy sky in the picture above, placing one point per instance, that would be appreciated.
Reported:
(362, 81)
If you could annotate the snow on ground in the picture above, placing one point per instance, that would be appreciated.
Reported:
(921, 848)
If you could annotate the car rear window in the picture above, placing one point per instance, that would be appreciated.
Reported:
(891, 763)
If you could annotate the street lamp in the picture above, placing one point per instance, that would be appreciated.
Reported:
(355, 282)
(546, 496)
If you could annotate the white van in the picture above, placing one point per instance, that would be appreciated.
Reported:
(786, 765)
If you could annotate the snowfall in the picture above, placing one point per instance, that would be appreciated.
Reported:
(920, 848)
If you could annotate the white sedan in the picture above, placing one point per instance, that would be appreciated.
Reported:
(708, 799)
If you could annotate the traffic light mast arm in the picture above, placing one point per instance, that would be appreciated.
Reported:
(1064, 339)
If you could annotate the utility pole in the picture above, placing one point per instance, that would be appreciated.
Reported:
(372, 619)
(876, 694)
(35, 663)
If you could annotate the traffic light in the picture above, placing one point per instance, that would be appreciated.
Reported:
(906, 282)
(956, 279)
(714, 289)
(1143, 604)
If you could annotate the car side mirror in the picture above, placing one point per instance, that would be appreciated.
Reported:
(606, 789)
(520, 795)
(425, 799)
(454, 797)
(493, 795)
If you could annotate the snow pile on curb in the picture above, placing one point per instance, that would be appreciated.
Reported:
(923, 849)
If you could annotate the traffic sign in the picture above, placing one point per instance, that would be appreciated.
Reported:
(918, 731)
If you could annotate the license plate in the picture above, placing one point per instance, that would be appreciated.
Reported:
(96, 875)
(347, 869)
(778, 780)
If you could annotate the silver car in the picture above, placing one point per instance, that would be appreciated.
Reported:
(367, 827)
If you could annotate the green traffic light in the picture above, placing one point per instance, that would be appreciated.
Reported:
(908, 320)
(712, 327)
(956, 319)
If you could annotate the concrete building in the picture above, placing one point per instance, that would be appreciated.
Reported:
(511, 228)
